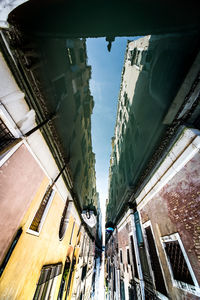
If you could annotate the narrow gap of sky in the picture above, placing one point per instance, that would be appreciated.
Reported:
(105, 86)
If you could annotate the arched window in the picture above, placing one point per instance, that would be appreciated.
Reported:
(65, 219)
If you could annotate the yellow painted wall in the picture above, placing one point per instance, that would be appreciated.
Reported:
(22, 272)
(76, 254)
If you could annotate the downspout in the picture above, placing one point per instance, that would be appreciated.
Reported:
(137, 254)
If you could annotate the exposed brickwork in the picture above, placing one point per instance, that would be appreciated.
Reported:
(123, 239)
(182, 195)
(176, 208)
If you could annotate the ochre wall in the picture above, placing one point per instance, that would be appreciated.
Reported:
(22, 272)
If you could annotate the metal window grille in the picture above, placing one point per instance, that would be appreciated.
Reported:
(178, 264)
(38, 216)
(6, 137)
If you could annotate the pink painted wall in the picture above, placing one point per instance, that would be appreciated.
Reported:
(20, 178)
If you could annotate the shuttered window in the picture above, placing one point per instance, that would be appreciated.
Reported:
(10, 251)
(46, 281)
(133, 257)
(155, 264)
(64, 221)
(37, 220)
(70, 242)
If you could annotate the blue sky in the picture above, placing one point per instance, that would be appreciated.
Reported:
(105, 85)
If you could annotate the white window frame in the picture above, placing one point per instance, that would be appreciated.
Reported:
(193, 289)
(10, 124)
(37, 233)
(131, 256)
(145, 225)
(50, 285)
(8, 121)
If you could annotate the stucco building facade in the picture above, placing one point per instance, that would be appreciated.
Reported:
(156, 215)
(42, 232)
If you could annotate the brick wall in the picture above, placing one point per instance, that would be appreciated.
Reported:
(176, 208)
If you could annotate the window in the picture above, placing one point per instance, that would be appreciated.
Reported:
(121, 258)
(60, 87)
(10, 251)
(64, 221)
(128, 257)
(84, 271)
(71, 275)
(47, 281)
(125, 99)
(64, 278)
(41, 213)
(133, 257)
(72, 233)
(155, 264)
(122, 289)
(133, 54)
(77, 100)
(71, 56)
(81, 55)
(6, 137)
(82, 247)
(120, 115)
(179, 265)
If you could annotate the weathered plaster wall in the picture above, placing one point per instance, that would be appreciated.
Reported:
(22, 272)
(176, 208)
(20, 177)
(123, 239)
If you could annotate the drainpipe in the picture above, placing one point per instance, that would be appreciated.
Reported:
(116, 279)
(137, 254)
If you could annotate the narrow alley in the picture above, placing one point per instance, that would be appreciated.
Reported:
(99, 150)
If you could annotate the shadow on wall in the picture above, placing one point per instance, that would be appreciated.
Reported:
(165, 66)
